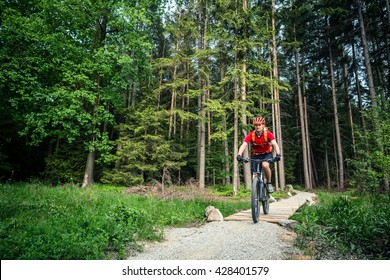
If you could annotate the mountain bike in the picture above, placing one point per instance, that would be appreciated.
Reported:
(260, 191)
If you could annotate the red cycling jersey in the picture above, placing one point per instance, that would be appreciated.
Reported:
(259, 146)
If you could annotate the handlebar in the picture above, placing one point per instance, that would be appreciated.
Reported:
(246, 160)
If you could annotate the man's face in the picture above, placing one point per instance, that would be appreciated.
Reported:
(259, 127)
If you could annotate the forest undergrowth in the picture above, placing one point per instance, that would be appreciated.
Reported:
(41, 222)
(345, 226)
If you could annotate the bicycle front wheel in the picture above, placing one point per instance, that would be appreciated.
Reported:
(265, 199)
(255, 200)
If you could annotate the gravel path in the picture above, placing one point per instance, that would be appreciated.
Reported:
(228, 240)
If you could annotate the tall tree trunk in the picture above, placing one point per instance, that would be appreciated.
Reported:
(327, 170)
(201, 142)
(100, 36)
(89, 169)
(272, 85)
(336, 118)
(370, 79)
(306, 120)
(349, 106)
(173, 103)
(280, 165)
(302, 125)
(183, 108)
(357, 81)
(247, 168)
(172, 115)
(226, 165)
(277, 187)
(208, 96)
(202, 6)
(236, 174)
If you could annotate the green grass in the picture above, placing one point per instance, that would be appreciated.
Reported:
(227, 191)
(355, 225)
(98, 222)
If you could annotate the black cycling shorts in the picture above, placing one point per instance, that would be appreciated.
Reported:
(262, 156)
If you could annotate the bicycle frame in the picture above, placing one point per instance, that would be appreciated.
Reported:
(259, 170)
(259, 190)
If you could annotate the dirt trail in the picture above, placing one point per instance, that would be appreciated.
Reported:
(236, 238)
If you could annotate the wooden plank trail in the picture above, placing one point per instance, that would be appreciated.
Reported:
(278, 211)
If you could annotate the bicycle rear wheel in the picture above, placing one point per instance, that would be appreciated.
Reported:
(264, 198)
(255, 200)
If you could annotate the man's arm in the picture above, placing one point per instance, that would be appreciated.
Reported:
(242, 148)
(276, 146)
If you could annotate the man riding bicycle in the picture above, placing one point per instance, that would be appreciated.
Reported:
(262, 142)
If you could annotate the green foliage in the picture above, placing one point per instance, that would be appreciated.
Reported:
(103, 81)
(63, 71)
(360, 225)
(371, 167)
(143, 151)
(227, 191)
(67, 223)
(100, 222)
(65, 165)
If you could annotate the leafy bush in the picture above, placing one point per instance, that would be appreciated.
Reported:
(361, 225)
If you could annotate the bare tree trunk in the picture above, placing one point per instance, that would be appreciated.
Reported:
(335, 156)
(349, 106)
(277, 187)
(89, 169)
(302, 124)
(208, 96)
(360, 100)
(173, 103)
(202, 113)
(315, 173)
(226, 165)
(306, 120)
(172, 115)
(201, 143)
(336, 118)
(183, 108)
(236, 174)
(327, 166)
(280, 165)
(272, 85)
(247, 169)
(310, 164)
(370, 80)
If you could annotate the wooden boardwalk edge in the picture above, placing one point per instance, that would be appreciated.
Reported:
(278, 211)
